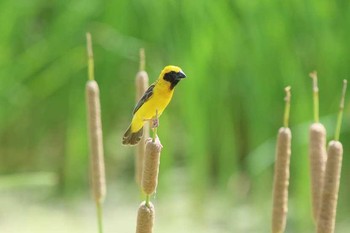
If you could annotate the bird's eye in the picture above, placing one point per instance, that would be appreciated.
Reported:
(170, 76)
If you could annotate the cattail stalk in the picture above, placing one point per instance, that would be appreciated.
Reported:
(145, 218)
(281, 176)
(317, 152)
(329, 198)
(313, 75)
(341, 110)
(151, 166)
(141, 83)
(95, 137)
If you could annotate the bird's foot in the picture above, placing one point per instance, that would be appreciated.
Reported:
(154, 121)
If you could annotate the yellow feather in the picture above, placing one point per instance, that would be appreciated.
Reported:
(159, 100)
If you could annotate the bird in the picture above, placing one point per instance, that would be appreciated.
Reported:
(153, 102)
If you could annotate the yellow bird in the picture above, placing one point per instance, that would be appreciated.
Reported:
(156, 98)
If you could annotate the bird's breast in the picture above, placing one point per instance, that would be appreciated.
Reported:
(158, 101)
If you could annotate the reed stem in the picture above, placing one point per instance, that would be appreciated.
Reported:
(340, 113)
(313, 75)
(99, 213)
(287, 107)
(148, 197)
(97, 174)
(90, 56)
(142, 59)
(141, 83)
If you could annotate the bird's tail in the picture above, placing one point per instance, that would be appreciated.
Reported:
(132, 138)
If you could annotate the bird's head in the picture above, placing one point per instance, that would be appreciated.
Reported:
(172, 75)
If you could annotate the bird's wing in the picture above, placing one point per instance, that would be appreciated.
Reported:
(144, 98)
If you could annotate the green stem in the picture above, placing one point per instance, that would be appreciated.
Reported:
(313, 75)
(99, 212)
(316, 107)
(90, 56)
(147, 200)
(287, 107)
(142, 59)
(340, 113)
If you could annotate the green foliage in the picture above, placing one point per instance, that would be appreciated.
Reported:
(238, 56)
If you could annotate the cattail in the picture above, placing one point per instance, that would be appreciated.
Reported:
(96, 146)
(141, 87)
(328, 207)
(329, 198)
(95, 135)
(151, 166)
(318, 158)
(281, 178)
(317, 152)
(145, 218)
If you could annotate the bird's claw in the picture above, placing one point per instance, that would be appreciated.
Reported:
(154, 121)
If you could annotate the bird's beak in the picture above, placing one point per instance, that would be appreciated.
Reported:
(181, 74)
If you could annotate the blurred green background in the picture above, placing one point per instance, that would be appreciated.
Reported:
(218, 132)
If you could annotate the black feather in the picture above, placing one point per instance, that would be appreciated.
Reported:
(144, 98)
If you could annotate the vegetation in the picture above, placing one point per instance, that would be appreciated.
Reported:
(329, 198)
(97, 166)
(317, 153)
(281, 175)
(219, 130)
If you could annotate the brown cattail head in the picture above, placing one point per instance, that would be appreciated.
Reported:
(151, 166)
(141, 83)
(96, 143)
(329, 198)
(318, 158)
(281, 180)
(145, 218)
